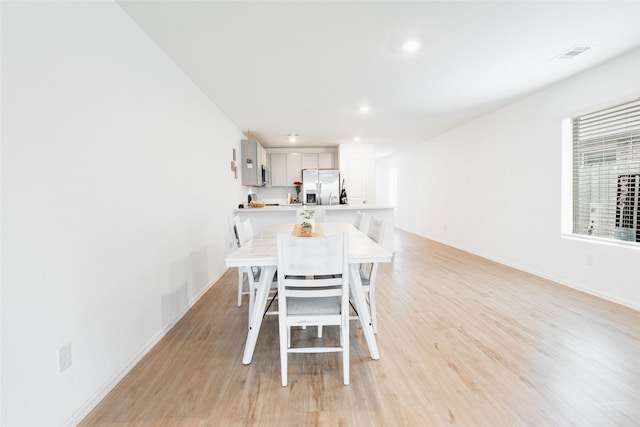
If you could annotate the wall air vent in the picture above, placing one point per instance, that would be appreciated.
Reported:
(573, 52)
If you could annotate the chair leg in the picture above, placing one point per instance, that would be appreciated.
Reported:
(252, 292)
(240, 285)
(284, 340)
(344, 331)
(372, 307)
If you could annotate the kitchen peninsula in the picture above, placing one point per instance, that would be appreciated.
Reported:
(262, 217)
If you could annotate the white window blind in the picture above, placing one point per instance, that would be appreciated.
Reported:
(606, 172)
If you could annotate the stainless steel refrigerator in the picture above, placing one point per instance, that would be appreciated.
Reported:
(320, 186)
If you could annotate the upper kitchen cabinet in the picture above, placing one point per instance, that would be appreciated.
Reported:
(309, 161)
(326, 160)
(293, 168)
(278, 169)
(285, 169)
(253, 162)
(318, 160)
(286, 163)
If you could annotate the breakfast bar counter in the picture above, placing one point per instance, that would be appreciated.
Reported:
(262, 217)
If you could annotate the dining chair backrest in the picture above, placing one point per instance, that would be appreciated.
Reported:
(313, 290)
(248, 227)
(234, 223)
(376, 229)
(245, 231)
(303, 256)
(357, 222)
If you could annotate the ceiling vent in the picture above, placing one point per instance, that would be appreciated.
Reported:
(573, 52)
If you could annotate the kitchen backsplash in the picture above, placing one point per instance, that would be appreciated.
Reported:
(272, 195)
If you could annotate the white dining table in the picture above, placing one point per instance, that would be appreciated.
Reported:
(261, 251)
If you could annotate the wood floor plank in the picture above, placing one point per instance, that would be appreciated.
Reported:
(463, 341)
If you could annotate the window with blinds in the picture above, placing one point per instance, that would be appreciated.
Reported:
(606, 172)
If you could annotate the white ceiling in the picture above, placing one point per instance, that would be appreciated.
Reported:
(305, 67)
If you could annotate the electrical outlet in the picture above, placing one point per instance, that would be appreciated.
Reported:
(64, 357)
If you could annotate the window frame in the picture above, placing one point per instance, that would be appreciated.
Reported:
(567, 177)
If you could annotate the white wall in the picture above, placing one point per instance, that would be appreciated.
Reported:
(116, 189)
(492, 186)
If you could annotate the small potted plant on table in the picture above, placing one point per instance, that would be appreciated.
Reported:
(307, 222)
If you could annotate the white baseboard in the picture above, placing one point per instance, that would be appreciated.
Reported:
(557, 280)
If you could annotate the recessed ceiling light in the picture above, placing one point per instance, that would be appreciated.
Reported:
(293, 137)
(356, 139)
(410, 45)
(365, 108)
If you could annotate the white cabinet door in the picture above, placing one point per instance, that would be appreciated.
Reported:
(278, 170)
(251, 162)
(309, 161)
(259, 155)
(294, 165)
(326, 160)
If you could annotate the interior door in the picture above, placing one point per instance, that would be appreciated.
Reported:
(357, 180)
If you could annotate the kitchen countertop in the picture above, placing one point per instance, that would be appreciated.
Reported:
(293, 207)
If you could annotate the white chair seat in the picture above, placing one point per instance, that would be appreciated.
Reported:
(310, 306)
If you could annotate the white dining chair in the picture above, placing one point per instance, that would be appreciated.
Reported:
(357, 222)
(369, 271)
(235, 225)
(313, 289)
(244, 232)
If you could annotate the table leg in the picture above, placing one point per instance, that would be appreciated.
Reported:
(363, 311)
(259, 306)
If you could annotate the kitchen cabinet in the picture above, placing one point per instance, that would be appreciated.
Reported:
(285, 164)
(318, 160)
(309, 161)
(285, 169)
(327, 160)
(253, 159)
(278, 169)
(294, 166)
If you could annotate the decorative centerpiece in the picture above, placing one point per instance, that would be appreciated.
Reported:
(297, 185)
(307, 221)
(306, 231)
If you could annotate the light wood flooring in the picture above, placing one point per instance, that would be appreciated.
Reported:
(463, 341)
